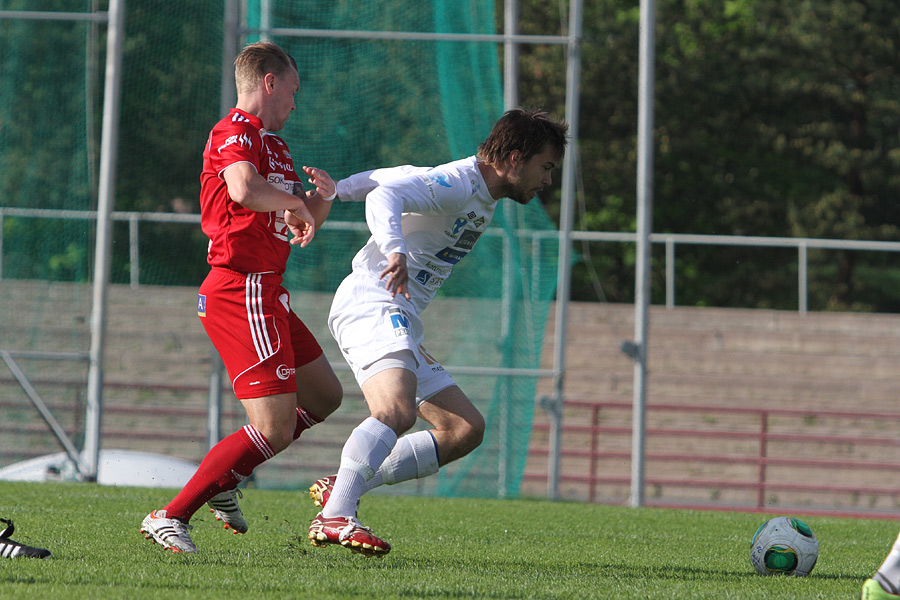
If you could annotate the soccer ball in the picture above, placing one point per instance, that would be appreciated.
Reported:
(784, 546)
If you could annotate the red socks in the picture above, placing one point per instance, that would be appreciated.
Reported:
(227, 464)
(305, 420)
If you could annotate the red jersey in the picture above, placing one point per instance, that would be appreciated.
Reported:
(243, 240)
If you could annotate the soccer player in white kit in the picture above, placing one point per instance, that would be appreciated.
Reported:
(885, 583)
(423, 221)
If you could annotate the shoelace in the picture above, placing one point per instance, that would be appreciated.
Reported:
(230, 504)
(352, 523)
(181, 527)
(8, 530)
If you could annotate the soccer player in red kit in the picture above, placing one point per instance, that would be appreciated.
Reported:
(253, 208)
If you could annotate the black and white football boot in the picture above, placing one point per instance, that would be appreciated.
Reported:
(11, 549)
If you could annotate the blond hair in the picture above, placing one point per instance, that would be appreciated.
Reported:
(258, 59)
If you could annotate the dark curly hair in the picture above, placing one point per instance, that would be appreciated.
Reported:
(528, 131)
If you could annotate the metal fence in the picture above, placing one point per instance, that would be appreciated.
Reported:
(757, 458)
(671, 241)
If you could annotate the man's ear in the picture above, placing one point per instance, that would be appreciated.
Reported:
(268, 82)
(515, 157)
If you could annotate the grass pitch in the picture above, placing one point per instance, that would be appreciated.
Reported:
(442, 548)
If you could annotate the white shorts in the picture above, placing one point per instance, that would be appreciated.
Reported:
(368, 325)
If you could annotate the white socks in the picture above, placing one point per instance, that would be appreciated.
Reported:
(888, 574)
(415, 456)
(369, 444)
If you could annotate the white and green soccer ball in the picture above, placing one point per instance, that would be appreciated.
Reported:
(784, 546)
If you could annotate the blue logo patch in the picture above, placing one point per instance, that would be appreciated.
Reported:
(467, 239)
(440, 179)
(423, 276)
(399, 321)
(201, 305)
(459, 224)
(450, 255)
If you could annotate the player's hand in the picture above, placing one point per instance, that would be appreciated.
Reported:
(325, 185)
(397, 275)
(301, 224)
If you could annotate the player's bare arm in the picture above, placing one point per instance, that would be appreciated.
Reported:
(302, 226)
(319, 201)
(249, 189)
(397, 275)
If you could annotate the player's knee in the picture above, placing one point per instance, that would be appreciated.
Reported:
(332, 398)
(405, 422)
(398, 420)
(322, 399)
(280, 439)
(472, 433)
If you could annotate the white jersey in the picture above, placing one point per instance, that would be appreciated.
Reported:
(433, 215)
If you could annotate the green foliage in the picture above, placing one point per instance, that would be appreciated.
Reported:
(170, 100)
(771, 119)
(441, 549)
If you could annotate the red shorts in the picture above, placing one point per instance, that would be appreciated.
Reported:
(251, 324)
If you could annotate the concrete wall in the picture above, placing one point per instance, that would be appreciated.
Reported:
(157, 367)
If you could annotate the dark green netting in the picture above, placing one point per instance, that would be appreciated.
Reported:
(363, 103)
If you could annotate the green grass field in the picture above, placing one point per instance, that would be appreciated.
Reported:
(442, 548)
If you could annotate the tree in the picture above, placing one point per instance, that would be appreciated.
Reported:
(772, 119)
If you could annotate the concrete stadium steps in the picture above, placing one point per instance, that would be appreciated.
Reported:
(716, 357)
(834, 358)
(709, 356)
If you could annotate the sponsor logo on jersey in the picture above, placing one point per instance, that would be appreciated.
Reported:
(423, 276)
(201, 305)
(449, 255)
(428, 280)
(399, 321)
(239, 118)
(430, 185)
(478, 222)
(459, 224)
(277, 165)
(277, 225)
(242, 139)
(440, 179)
(440, 270)
(284, 372)
(467, 239)
(278, 180)
(276, 222)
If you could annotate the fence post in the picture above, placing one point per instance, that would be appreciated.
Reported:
(670, 272)
(134, 254)
(1, 243)
(803, 283)
(761, 480)
(592, 476)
